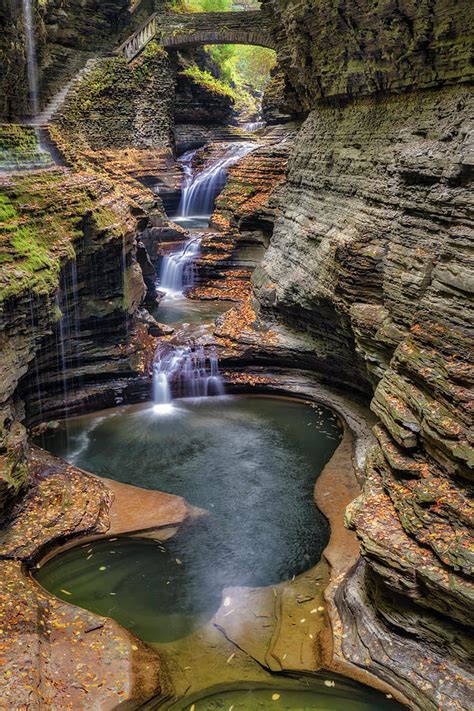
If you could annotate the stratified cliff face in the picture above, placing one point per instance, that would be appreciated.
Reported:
(70, 291)
(372, 257)
(115, 104)
(339, 51)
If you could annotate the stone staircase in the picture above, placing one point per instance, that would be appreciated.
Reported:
(50, 110)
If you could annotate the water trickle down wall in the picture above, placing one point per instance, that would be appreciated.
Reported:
(65, 310)
(85, 356)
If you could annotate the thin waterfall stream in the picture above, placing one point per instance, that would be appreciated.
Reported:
(31, 61)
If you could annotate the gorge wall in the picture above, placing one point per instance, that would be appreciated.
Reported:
(68, 32)
(372, 257)
(71, 327)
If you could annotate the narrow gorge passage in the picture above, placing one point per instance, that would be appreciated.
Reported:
(236, 379)
(249, 464)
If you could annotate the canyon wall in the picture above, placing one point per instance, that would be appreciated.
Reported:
(70, 297)
(372, 257)
(67, 33)
(340, 51)
(116, 104)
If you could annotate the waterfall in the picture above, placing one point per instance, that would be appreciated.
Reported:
(123, 263)
(200, 190)
(190, 370)
(31, 55)
(177, 269)
(253, 126)
(198, 193)
(68, 329)
(35, 361)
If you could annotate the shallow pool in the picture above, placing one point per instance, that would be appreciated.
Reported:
(323, 692)
(250, 462)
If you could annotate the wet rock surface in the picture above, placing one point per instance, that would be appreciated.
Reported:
(369, 260)
(60, 655)
(118, 105)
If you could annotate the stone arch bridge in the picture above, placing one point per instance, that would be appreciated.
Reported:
(198, 28)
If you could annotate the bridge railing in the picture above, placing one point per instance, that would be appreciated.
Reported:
(134, 44)
(176, 30)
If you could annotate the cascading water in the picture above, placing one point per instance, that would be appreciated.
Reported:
(190, 370)
(253, 126)
(198, 195)
(31, 55)
(177, 270)
(200, 190)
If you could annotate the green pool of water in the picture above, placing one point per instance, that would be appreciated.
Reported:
(141, 583)
(251, 462)
(323, 692)
(182, 310)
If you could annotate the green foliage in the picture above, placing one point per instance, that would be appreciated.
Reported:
(206, 80)
(207, 5)
(244, 69)
(244, 65)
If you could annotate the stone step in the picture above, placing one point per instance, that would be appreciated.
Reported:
(50, 110)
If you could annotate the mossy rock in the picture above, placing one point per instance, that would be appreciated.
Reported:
(20, 148)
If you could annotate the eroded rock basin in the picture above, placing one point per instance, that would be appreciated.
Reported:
(250, 462)
(238, 592)
(326, 693)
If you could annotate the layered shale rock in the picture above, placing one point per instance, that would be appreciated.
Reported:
(68, 33)
(279, 102)
(70, 288)
(371, 259)
(249, 199)
(344, 50)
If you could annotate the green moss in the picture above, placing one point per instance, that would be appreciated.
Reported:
(102, 110)
(25, 253)
(207, 81)
(17, 138)
(153, 49)
(41, 217)
(20, 148)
